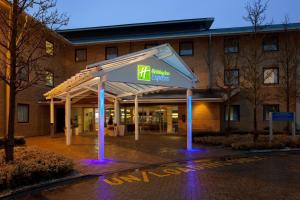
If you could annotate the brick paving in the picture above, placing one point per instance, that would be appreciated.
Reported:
(125, 153)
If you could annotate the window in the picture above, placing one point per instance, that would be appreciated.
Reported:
(271, 75)
(269, 108)
(234, 113)
(111, 52)
(23, 74)
(270, 44)
(231, 77)
(49, 79)
(150, 45)
(23, 113)
(80, 55)
(49, 48)
(186, 49)
(231, 45)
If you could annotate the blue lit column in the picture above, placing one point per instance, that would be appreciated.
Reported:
(189, 102)
(101, 107)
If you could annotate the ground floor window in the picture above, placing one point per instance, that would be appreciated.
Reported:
(269, 108)
(234, 113)
(23, 113)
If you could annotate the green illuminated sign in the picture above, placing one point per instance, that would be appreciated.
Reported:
(147, 73)
(144, 73)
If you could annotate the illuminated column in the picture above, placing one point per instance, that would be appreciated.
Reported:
(68, 130)
(52, 117)
(117, 112)
(136, 116)
(101, 107)
(189, 100)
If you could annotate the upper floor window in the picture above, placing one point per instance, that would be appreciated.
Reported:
(231, 77)
(49, 79)
(271, 75)
(49, 48)
(234, 113)
(23, 74)
(270, 44)
(267, 108)
(111, 52)
(186, 49)
(150, 45)
(231, 45)
(80, 55)
(23, 113)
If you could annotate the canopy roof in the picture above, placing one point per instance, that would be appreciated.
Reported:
(145, 71)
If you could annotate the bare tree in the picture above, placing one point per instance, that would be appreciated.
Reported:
(287, 60)
(253, 59)
(24, 28)
(228, 82)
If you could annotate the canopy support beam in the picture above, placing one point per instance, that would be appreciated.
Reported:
(52, 117)
(117, 111)
(136, 114)
(68, 130)
(101, 107)
(189, 114)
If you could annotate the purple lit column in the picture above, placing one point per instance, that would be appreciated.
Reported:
(101, 107)
(189, 114)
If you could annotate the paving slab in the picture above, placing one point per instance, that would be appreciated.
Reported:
(124, 152)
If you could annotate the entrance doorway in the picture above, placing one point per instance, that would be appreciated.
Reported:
(158, 119)
(88, 120)
(60, 122)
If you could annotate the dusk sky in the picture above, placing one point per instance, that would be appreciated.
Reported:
(227, 13)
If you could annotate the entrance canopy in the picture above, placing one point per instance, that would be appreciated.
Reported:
(150, 70)
(146, 71)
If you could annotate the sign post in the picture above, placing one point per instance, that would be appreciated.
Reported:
(281, 116)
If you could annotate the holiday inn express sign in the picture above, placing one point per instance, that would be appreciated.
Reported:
(150, 71)
(146, 73)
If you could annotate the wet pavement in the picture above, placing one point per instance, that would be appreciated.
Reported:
(264, 176)
(124, 152)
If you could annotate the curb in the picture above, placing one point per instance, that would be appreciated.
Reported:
(274, 150)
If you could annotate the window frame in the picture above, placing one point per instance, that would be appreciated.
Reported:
(110, 47)
(28, 111)
(277, 44)
(239, 112)
(27, 75)
(80, 49)
(180, 48)
(235, 69)
(50, 72)
(266, 68)
(264, 110)
(238, 45)
(53, 52)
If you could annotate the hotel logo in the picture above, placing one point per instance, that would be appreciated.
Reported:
(144, 73)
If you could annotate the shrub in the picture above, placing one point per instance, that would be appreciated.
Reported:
(32, 165)
(245, 142)
(19, 141)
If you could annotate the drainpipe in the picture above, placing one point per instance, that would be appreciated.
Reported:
(209, 63)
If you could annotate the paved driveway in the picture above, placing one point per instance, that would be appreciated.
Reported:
(124, 152)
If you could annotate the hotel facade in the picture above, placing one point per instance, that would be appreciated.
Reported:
(199, 46)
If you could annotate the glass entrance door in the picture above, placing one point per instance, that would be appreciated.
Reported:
(88, 120)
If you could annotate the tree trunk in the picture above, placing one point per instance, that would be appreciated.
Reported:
(255, 133)
(9, 139)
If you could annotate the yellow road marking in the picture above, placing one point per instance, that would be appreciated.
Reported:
(175, 170)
